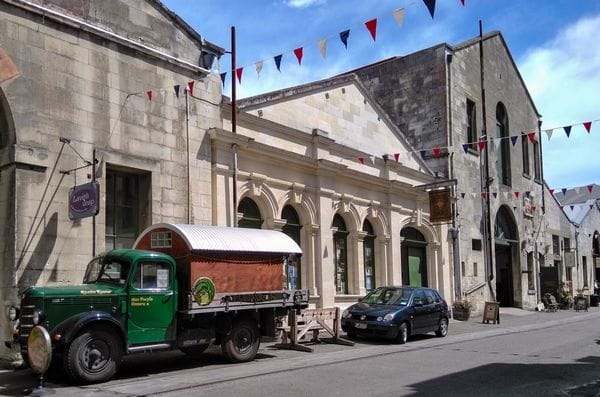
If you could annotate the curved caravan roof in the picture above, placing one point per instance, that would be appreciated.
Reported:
(229, 239)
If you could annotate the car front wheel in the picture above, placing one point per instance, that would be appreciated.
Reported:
(443, 328)
(402, 333)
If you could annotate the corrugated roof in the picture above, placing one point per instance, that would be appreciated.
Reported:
(229, 239)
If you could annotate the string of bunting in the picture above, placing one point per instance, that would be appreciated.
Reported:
(370, 25)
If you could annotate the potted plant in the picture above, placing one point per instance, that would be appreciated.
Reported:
(461, 309)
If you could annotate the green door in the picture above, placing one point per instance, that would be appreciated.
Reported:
(152, 304)
(414, 267)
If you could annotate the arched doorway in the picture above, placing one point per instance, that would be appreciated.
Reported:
(369, 255)
(414, 257)
(251, 217)
(292, 228)
(506, 241)
(340, 258)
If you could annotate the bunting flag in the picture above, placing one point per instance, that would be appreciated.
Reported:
(396, 156)
(223, 75)
(462, 2)
(564, 190)
(372, 158)
(423, 153)
(567, 130)
(527, 193)
(514, 139)
(399, 16)
(531, 136)
(462, 195)
(572, 207)
(372, 27)
(298, 53)
(514, 208)
(465, 147)
(517, 195)
(361, 160)
(590, 188)
(191, 87)
(322, 47)
(551, 191)
(549, 133)
(386, 157)
(277, 59)
(484, 195)
(591, 206)
(481, 145)
(495, 194)
(344, 37)
(238, 73)
(149, 94)
(259, 66)
(588, 126)
(176, 88)
(430, 6)
(436, 152)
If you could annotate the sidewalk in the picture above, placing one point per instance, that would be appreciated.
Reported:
(142, 381)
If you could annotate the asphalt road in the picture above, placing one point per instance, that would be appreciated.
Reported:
(549, 354)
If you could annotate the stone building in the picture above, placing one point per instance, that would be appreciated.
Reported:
(361, 224)
(84, 77)
(436, 97)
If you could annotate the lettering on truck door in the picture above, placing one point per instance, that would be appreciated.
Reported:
(152, 304)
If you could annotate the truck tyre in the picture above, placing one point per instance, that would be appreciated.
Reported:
(93, 356)
(242, 342)
(194, 351)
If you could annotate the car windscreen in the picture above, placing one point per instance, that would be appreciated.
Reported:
(388, 296)
(106, 270)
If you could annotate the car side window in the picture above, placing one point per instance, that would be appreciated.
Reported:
(430, 297)
(152, 275)
(418, 297)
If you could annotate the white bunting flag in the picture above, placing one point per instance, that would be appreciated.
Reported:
(259, 66)
(323, 47)
(399, 16)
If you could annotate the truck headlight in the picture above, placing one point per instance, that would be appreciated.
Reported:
(13, 313)
(38, 317)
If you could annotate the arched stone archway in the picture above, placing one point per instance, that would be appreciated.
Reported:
(507, 259)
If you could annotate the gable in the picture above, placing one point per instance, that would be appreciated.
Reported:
(346, 114)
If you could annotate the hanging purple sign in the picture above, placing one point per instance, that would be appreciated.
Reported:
(84, 201)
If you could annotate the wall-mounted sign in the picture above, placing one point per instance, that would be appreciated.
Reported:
(84, 201)
(440, 209)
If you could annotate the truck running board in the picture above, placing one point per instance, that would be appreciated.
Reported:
(145, 348)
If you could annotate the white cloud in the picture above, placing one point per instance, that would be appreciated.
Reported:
(562, 76)
(303, 3)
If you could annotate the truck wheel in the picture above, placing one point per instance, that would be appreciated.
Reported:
(242, 343)
(94, 356)
(194, 351)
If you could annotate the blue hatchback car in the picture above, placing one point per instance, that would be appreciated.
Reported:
(397, 312)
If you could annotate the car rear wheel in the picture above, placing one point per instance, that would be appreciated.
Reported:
(443, 328)
(402, 333)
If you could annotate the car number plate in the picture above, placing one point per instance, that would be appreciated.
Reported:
(360, 325)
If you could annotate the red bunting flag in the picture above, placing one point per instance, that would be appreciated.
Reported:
(372, 27)
(436, 152)
(191, 87)
(298, 53)
(533, 208)
(462, 2)
(396, 156)
(238, 73)
(484, 195)
(531, 136)
(361, 160)
(149, 94)
(552, 191)
(481, 145)
(588, 126)
(517, 195)
(590, 188)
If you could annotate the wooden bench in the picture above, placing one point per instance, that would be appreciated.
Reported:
(314, 321)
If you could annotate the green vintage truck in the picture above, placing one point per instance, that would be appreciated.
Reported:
(182, 287)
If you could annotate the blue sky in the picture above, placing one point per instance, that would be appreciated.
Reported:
(554, 43)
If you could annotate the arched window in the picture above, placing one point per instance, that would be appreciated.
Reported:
(503, 160)
(251, 217)
(369, 255)
(340, 257)
(414, 257)
(292, 228)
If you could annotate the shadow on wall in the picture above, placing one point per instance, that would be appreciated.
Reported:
(32, 272)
